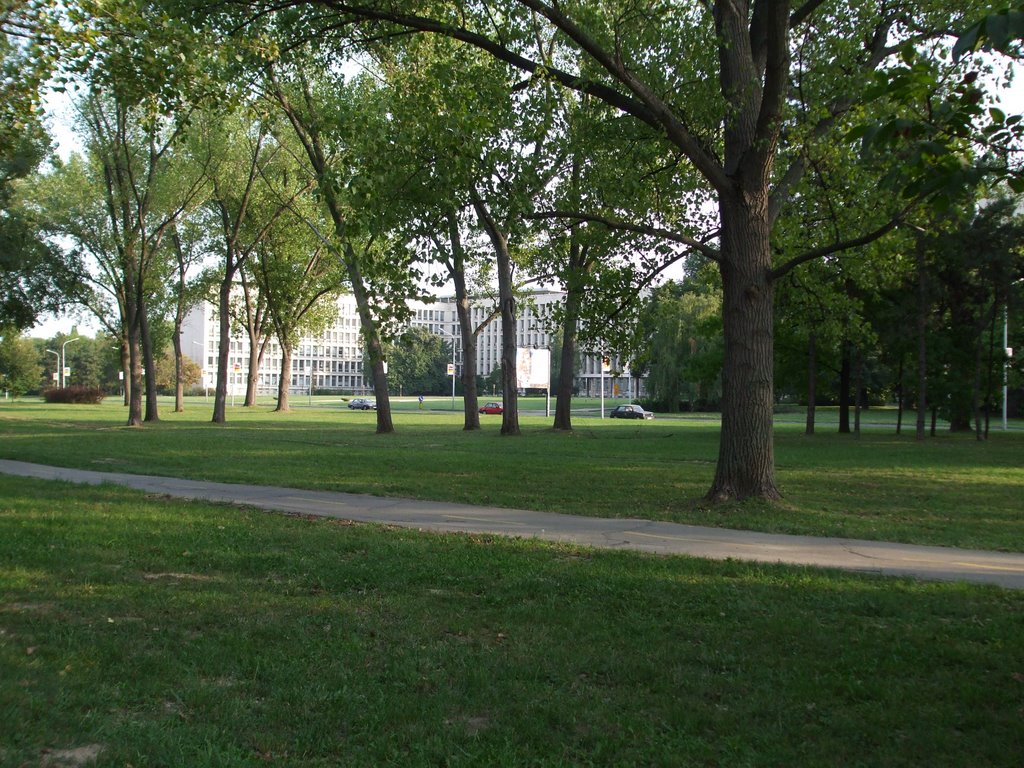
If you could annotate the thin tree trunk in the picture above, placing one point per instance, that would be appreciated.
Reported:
(126, 367)
(922, 344)
(845, 374)
(179, 384)
(220, 396)
(976, 386)
(812, 381)
(285, 380)
(179, 319)
(507, 305)
(149, 360)
(470, 398)
(899, 397)
(858, 386)
(308, 132)
(135, 365)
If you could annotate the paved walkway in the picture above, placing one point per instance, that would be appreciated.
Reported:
(932, 563)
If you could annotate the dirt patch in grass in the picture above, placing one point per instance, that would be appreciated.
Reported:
(179, 576)
(71, 758)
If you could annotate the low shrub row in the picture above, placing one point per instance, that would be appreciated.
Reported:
(78, 395)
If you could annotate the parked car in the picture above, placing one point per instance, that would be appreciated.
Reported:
(492, 408)
(362, 404)
(630, 412)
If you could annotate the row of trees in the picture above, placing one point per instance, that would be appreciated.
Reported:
(587, 146)
(33, 365)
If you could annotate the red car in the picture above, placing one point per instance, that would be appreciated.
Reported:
(492, 408)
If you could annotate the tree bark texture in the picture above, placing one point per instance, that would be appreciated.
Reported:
(845, 376)
(220, 395)
(285, 379)
(507, 306)
(922, 341)
(470, 398)
(746, 455)
(149, 361)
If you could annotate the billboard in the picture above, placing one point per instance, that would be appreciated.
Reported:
(533, 368)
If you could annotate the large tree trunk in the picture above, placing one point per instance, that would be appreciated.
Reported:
(812, 381)
(579, 266)
(566, 371)
(566, 365)
(285, 380)
(746, 455)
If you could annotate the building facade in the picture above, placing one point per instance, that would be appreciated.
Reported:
(333, 360)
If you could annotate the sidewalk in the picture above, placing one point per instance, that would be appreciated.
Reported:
(931, 563)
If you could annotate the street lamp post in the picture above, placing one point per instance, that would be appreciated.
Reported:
(1009, 354)
(64, 359)
(453, 338)
(57, 355)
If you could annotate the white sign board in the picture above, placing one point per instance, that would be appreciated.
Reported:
(533, 368)
(451, 369)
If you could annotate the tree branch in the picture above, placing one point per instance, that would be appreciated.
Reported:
(840, 246)
(700, 246)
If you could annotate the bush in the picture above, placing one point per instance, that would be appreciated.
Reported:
(77, 395)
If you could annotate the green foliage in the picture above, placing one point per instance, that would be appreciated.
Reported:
(20, 370)
(417, 363)
(191, 373)
(681, 328)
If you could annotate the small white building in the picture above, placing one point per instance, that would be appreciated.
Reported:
(333, 360)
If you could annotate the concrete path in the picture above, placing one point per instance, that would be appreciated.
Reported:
(932, 563)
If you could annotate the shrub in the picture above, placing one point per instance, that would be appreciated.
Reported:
(77, 395)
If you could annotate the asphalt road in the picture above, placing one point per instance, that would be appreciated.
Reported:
(930, 563)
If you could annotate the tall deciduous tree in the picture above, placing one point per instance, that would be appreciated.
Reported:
(335, 123)
(20, 370)
(146, 187)
(715, 81)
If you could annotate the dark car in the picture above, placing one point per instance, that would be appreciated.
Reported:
(362, 404)
(630, 412)
(492, 408)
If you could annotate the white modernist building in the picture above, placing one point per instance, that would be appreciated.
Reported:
(333, 360)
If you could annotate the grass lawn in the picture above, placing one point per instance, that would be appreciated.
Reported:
(951, 490)
(141, 631)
